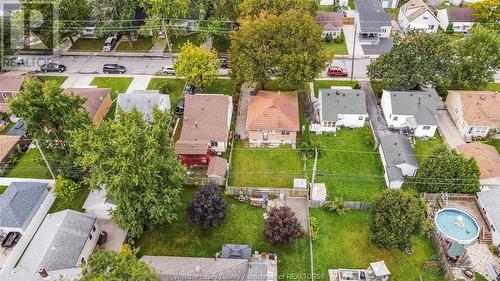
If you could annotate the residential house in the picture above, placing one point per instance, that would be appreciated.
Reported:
(373, 24)
(475, 113)
(272, 118)
(144, 101)
(490, 206)
(488, 161)
(205, 128)
(8, 145)
(10, 84)
(416, 15)
(331, 22)
(97, 101)
(23, 205)
(217, 169)
(398, 158)
(410, 109)
(340, 108)
(460, 18)
(98, 204)
(62, 243)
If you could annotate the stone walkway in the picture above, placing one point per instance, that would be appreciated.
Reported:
(479, 256)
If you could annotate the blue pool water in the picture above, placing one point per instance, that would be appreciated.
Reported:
(447, 223)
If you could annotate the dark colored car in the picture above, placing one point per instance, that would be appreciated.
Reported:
(114, 68)
(189, 89)
(53, 67)
(336, 71)
(179, 108)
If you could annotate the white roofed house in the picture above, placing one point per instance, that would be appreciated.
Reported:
(416, 15)
(398, 158)
(410, 109)
(144, 101)
(340, 108)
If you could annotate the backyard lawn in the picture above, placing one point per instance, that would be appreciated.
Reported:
(58, 79)
(141, 45)
(178, 41)
(29, 165)
(117, 85)
(87, 45)
(349, 165)
(337, 48)
(327, 84)
(344, 243)
(424, 148)
(76, 204)
(265, 167)
(243, 225)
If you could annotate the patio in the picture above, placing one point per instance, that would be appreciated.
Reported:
(116, 235)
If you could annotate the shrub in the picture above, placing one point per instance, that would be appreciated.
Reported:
(328, 38)
(449, 28)
(282, 226)
(339, 39)
(208, 208)
(66, 189)
(163, 87)
(494, 249)
(427, 228)
(337, 205)
(314, 228)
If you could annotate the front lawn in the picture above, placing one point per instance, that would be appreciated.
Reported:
(265, 167)
(141, 45)
(327, 84)
(87, 45)
(222, 86)
(423, 148)
(29, 165)
(495, 87)
(59, 80)
(117, 84)
(3, 188)
(351, 5)
(344, 243)
(178, 41)
(336, 48)
(175, 87)
(243, 225)
(76, 204)
(349, 165)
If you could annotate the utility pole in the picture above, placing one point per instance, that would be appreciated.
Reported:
(45, 159)
(353, 49)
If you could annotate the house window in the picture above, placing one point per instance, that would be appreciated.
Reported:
(395, 118)
(214, 144)
(265, 135)
(484, 129)
(426, 17)
(329, 124)
(361, 117)
(82, 260)
(285, 132)
(272, 132)
(431, 26)
(455, 109)
(90, 236)
(427, 127)
(14, 95)
(463, 124)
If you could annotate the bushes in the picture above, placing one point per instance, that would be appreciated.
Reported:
(337, 205)
(282, 226)
(163, 87)
(328, 38)
(66, 189)
(314, 228)
(339, 39)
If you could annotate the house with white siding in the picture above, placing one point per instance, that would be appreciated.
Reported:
(416, 15)
(460, 18)
(398, 159)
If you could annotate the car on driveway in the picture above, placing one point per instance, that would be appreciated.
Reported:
(167, 70)
(336, 71)
(114, 68)
(52, 67)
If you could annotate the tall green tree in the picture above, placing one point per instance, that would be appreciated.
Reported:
(447, 171)
(115, 16)
(478, 58)
(417, 59)
(110, 265)
(253, 8)
(136, 163)
(287, 46)
(198, 66)
(394, 217)
(160, 11)
(50, 116)
(72, 17)
(487, 11)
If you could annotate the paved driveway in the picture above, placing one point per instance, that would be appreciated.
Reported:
(116, 235)
(377, 120)
(349, 38)
(74, 81)
(140, 82)
(448, 129)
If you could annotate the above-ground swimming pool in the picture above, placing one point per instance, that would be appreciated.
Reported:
(457, 225)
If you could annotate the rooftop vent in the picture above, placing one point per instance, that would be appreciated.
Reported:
(483, 97)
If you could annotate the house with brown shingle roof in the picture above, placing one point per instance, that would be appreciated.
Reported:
(475, 113)
(8, 146)
(10, 84)
(415, 14)
(331, 22)
(488, 161)
(205, 128)
(272, 118)
(97, 101)
(460, 18)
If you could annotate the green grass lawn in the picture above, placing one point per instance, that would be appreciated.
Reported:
(243, 225)
(3, 188)
(495, 143)
(76, 204)
(58, 79)
(175, 87)
(349, 165)
(327, 84)
(29, 165)
(87, 45)
(274, 85)
(424, 148)
(343, 243)
(495, 87)
(336, 48)
(117, 84)
(221, 44)
(265, 167)
(351, 5)
(178, 41)
(141, 45)
(222, 86)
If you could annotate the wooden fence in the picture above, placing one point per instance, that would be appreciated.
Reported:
(355, 205)
(442, 256)
(287, 192)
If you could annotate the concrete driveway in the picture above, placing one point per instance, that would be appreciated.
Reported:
(379, 125)
(79, 81)
(140, 82)
(448, 129)
(349, 38)
(116, 235)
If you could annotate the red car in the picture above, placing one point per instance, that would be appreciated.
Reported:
(336, 71)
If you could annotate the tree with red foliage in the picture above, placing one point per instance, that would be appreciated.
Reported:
(282, 226)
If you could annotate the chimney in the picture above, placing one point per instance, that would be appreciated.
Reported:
(43, 272)
(419, 99)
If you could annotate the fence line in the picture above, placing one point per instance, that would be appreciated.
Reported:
(355, 205)
(287, 192)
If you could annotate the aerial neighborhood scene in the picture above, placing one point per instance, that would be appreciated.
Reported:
(165, 140)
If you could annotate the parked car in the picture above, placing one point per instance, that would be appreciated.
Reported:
(336, 71)
(52, 67)
(167, 70)
(189, 89)
(179, 108)
(110, 43)
(114, 68)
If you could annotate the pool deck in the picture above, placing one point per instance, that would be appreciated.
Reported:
(471, 208)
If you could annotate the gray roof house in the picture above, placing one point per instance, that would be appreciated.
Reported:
(489, 201)
(398, 158)
(20, 203)
(63, 241)
(373, 26)
(144, 101)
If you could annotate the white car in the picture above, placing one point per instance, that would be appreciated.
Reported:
(167, 70)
